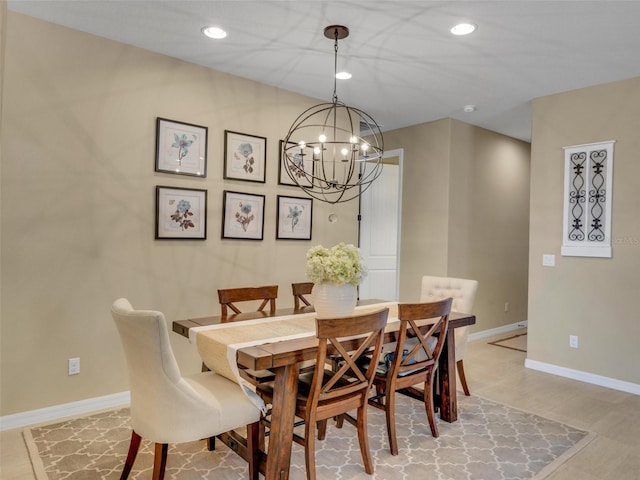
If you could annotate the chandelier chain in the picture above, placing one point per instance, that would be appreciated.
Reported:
(335, 67)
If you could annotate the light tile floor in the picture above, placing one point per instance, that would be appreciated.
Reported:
(498, 374)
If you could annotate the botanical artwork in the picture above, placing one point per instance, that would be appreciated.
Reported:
(294, 218)
(181, 213)
(181, 148)
(182, 143)
(244, 153)
(183, 216)
(244, 157)
(294, 215)
(243, 215)
(300, 167)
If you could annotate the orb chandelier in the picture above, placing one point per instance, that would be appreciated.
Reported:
(332, 151)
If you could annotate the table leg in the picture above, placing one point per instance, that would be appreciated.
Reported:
(282, 417)
(447, 367)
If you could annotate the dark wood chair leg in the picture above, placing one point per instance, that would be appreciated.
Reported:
(428, 404)
(211, 443)
(253, 450)
(262, 431)
(131, 455)
(310, 448)
(390, 414)
(322, 429)
(363, 439)
(463, 379)
(160, 461)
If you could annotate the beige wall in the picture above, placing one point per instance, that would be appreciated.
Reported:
(593, 298)
(466, 214)
(425, 201)
(78, 202)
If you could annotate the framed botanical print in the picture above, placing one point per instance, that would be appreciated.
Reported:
(245, 157)
(242, 215)
(181, 148)
(300, 166)
(181, 213)
(294, 217)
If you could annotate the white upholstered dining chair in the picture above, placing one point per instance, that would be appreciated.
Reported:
(167, 407)
(463, 292)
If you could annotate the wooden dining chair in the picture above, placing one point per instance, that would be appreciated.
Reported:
(299, 291)
(413, 362)
(228, 298)
(324, 393)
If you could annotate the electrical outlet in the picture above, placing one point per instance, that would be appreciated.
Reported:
(74, 366)
(573, 341)
(506, 307)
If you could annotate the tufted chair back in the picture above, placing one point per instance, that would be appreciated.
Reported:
(463, 292)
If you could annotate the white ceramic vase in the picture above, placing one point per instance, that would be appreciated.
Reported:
(331, 300)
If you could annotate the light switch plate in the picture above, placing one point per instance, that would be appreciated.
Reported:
(548, 260)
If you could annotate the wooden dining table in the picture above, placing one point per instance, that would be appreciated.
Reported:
(283, 359)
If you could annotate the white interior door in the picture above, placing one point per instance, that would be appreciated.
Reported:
(380, 230)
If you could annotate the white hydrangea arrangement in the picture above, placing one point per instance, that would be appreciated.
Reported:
(339, 265)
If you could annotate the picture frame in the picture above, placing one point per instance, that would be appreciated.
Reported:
(283, 176)
(181, 213)
(245, 157)
(294, 218)
(242, 215)
(181, 148)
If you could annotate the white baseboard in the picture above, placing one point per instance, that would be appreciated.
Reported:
(497, 331)
(560, 371)
(583, 376)
(57, 412)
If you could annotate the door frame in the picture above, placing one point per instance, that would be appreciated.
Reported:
(398, 152)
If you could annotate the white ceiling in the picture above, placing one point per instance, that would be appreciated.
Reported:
(407, 68)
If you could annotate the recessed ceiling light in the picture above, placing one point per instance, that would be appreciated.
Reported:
(469, 108)
(463, 29)
(214, 32)
(343, 75)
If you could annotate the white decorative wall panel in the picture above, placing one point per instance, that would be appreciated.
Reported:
(588, 176)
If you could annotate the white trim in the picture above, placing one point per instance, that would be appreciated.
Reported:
(603, 251)
(583, 376)
(497, 331)
(57, 412)
(399, 152)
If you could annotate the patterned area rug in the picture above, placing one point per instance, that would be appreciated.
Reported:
(490, 441)
(516, 342)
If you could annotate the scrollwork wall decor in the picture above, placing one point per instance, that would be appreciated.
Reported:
(587, 200)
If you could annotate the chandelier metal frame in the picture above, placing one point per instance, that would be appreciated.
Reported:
(324, 152)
